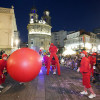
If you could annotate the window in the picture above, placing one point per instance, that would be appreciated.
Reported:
(42, 43)
(31, 16)
(80, 39)
(31, 42)
(67, 36)
(34, 11)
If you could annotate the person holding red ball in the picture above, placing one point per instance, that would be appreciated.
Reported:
(3, 66)
(85, 70)
(53, 50)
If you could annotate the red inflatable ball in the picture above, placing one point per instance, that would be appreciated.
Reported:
(24, 65)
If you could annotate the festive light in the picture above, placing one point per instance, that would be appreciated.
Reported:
(33, 32)
(98, 47)
(69, 52)
(88, 45)
(94, 49)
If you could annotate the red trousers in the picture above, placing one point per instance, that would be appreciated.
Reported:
(2, 80)
(86, 80)
(53, 67)
(57, 61)
(46, 64)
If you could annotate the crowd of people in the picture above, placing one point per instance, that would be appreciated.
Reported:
(1, 52)
(86, 63)
(73, 61)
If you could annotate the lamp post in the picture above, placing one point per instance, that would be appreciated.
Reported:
(17, 43)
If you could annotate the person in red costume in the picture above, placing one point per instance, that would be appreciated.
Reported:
(90, 58)
(46, 58)
(85, 70)
(3, 65)
(53, 50)
(93, 62)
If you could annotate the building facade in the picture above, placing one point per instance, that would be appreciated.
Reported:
(80, 40)
(58, 38)
(97, 32)
(39, 31)
(9, 35)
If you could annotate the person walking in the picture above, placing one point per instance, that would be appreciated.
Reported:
(85, 70)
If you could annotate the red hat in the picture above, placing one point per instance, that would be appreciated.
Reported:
(4, 55)
(84, 52)
(52, 44)
(93, 54)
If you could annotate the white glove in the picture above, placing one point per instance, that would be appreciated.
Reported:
(94, 67)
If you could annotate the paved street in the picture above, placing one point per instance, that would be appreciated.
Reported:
(52, 87)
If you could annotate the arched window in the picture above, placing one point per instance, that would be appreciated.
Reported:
(34, 11)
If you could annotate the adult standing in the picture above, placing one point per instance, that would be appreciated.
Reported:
(3, 66)
(53, 50)
(93, 63)
(85, 70)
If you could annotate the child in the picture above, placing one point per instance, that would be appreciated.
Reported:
(3, 66)
(46, 58)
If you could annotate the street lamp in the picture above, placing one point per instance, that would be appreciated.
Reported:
(16, 42)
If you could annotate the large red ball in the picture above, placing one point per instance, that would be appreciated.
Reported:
(24, 65)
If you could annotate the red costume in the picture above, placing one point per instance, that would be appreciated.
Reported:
(46, 58)
(85, 70)
(3, 65)
(93, 62)
(90, 58)
(53, 63)
(53, 50)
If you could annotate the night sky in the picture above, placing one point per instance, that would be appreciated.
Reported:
(69, 15)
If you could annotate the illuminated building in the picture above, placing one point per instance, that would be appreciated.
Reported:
(39, 31)
(9, 36)
(80, 40)
(97, 31)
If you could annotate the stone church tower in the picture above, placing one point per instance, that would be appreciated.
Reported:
(39, 31)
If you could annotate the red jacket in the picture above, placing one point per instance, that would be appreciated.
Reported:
(90, 58)
(93, 61)
(85, 65)
(46, 58)
(53, 48)
(3, 64)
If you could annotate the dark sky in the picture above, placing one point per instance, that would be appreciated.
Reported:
(69, 15)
